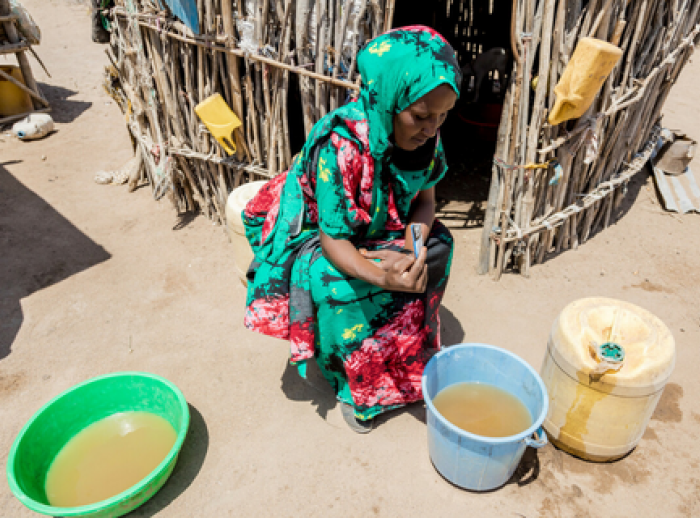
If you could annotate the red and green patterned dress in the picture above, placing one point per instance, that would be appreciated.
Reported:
(370, 344)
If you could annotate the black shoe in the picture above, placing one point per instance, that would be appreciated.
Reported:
(355, 424)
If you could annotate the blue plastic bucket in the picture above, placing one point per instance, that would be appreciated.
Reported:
(472, 461)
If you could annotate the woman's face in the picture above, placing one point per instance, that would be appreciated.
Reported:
(420, 121)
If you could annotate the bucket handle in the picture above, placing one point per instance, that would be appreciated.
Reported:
(535, 442)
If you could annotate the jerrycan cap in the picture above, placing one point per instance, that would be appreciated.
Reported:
(611, 352)
(609, 356)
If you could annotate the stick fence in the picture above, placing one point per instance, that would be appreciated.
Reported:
(281, 65)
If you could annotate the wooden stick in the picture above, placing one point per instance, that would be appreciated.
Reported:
(389, 17)
(12, 118)
(339, 44)
(252, 115)
(356, 31)
(321, 54)
(286, 43)
(21, 86)
(505, 204)
(163, 86)
(260, 108)
(490, 212)
(219, 44)
(536, 122)
(604, 13)
(234, 76)
(302, 23)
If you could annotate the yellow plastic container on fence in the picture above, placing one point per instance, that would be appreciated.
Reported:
(587, 70)
(13, 100)
(219, 120)
(606, 366)
(237, 200)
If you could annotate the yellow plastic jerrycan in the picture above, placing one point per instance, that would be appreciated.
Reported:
(13, 100)
(606, 366)
(220, 120)
(589, 66)
(237, 200)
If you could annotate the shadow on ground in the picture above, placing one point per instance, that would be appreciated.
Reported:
(189, 463)
(451, 330)
(39, 248)
(314, 389)
(525, 474)
(184, 219)
(632, 190)
(63, 109)
(528, 470)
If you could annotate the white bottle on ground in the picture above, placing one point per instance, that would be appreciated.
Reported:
(34, 126)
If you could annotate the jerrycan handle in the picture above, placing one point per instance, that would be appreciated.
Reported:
(534, 441)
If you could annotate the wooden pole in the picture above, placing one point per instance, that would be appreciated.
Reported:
(506, 200)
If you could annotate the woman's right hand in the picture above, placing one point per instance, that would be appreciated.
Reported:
(402, 272)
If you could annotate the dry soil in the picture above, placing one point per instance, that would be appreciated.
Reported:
(94, 280)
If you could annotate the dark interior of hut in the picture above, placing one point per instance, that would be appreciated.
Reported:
(479, 31)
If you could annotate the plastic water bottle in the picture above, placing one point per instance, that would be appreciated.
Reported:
(34, 126)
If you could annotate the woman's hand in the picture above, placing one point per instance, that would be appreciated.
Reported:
(395, 271)
(402, 272)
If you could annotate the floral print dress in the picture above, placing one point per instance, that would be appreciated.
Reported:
(370, 344)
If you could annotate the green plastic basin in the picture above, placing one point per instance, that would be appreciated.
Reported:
(63, 417)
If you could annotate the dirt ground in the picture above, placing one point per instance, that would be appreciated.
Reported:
(95, 280)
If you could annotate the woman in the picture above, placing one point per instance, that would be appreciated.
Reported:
(334, 271)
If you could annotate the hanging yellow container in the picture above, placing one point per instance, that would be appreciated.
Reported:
(606, 366)
(587, 70)
(219, 120)
(13, 100)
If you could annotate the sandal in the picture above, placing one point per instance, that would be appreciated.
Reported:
(355, 424)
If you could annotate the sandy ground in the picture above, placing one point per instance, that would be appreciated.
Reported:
(94, 280)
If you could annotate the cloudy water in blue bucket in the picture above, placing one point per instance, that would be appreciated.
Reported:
(483, 409)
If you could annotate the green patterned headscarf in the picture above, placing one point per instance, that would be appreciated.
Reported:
(398, 68)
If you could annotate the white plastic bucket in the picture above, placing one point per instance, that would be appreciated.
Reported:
(237, 200)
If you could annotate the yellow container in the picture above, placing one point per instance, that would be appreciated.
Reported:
(13, 100)
(237, 200)
(595, 412)
(220, 120)
(587, 70)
